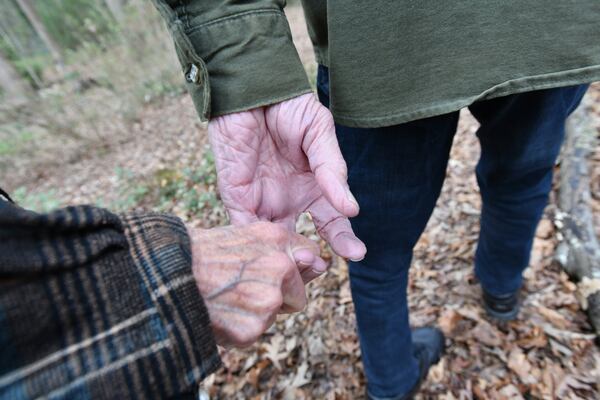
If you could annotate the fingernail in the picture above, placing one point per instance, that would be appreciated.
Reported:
(304, 257)
(319, 266)
(358, 250)
(359, 257)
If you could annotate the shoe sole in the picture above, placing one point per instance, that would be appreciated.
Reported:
(502, 316)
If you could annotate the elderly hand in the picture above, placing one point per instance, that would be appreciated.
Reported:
(276, 162)
(248, 274)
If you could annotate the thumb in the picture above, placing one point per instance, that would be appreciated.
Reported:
(325, 159)
(336, 230)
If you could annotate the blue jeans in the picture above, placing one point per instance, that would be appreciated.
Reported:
(396, 174)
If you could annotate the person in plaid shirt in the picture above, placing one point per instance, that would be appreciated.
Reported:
(95, 305)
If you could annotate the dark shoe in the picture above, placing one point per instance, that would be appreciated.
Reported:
(428, 346)
(503, 308)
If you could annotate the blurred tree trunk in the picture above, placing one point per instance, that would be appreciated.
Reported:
(579, 251)
(116, 9)
(14, 44)
(15, 88)
(36, 22)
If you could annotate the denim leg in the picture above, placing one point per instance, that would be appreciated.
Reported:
(396, 174)
(520, 138)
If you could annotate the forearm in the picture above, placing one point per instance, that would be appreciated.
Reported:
(99, 304)
(243, 52)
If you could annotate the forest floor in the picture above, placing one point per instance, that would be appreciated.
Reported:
(161, 161)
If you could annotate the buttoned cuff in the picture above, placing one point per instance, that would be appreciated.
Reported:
(239, 62)
(251, 61)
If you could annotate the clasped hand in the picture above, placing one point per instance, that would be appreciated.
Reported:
(249, 274)
(273, 163)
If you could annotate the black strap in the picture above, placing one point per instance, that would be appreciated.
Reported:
(5, 195)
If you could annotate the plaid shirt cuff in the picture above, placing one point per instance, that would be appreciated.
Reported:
(97, 306)
(160, 248)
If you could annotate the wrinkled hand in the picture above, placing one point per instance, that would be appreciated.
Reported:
(248, 274)
(275, 162)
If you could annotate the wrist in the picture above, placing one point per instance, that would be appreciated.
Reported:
(195, 235)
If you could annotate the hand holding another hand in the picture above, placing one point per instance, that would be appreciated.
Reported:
(248, 274)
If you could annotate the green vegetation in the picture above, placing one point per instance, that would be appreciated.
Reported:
(191, 192)
(40, 202)
(131, 192)
(187, 188)
(15, 143)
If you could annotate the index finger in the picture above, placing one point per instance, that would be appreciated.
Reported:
(306, 255)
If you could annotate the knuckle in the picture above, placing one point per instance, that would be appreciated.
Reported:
(279, 231)
(282, 265)
(248, 334)
(270, 231)
(240, 295)
(343, 168)
(259, 227)
(274, 301)
(270, 300)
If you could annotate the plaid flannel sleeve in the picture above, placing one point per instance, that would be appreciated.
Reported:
(99, 306)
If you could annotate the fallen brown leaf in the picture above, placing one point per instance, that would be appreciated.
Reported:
(517, 361)
(554, 317)
(448, 321)
(487, 334)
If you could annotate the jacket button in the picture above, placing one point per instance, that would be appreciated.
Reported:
(193, 74)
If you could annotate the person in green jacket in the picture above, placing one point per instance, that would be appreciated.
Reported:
(392, 77)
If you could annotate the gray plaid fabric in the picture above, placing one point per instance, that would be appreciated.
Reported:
(99, 306)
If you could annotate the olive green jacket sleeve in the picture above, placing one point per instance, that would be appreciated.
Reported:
(236, 55)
